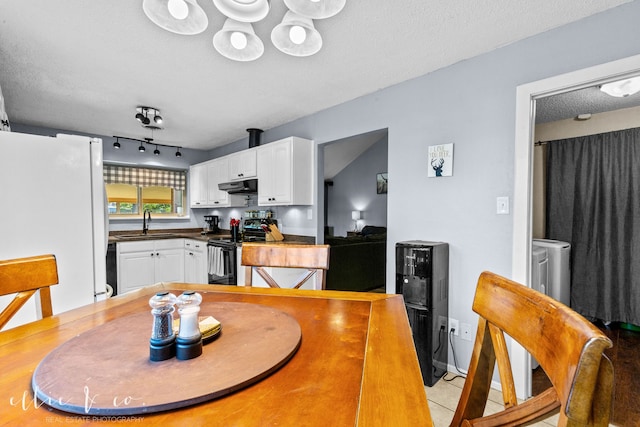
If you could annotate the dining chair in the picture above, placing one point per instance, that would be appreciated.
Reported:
(313, 258)
(24, 277)
(566, 345)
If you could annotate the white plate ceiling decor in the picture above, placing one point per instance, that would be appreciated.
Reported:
(243, 10)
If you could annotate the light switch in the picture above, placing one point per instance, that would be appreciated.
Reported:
(502, 205)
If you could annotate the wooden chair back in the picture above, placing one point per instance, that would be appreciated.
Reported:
(567, 346)
(24, 277)
(313, 258)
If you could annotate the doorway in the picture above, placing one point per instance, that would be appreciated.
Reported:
(351, 166)
(526, 98)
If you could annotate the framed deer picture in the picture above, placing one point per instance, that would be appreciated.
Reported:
(440, 160)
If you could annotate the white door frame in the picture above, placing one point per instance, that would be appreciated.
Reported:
(526, 97)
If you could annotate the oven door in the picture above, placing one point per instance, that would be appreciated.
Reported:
(222, 264)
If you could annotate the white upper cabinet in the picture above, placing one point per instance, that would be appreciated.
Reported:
(286, 172)
(242, 165)
(217, 173)
(198, 186)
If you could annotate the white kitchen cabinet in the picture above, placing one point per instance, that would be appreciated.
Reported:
(217, 172)
(198, 186)
(204, 191)
(242, 165)
(286, 172)
(195, 261)
(143, 263)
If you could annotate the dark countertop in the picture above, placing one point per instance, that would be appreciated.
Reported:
(183, 233)
(190, 233)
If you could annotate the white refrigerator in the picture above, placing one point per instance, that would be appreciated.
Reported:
(53, 201)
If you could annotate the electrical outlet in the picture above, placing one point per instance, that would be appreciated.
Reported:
(465, 331)
(442, 322)
(453, 324)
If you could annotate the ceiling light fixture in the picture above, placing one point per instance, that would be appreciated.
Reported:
(116, 144)
(316, 9)
(143, 113)
(243, 10)
(296, 36)
(622, 88)
(141, 147)
(178, 16)
(237, 40)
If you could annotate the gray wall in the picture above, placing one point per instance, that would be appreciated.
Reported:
(354, 188)
(472, 105)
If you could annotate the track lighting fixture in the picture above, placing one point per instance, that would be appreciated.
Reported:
(145, 114)
(150, 141)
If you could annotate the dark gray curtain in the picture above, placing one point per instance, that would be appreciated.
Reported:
(593, 202)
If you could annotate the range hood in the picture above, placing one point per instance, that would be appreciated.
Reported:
(247, 186)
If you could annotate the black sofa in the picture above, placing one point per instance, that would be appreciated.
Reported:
(358, 263)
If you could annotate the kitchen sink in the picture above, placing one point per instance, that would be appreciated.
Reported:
(139, 236)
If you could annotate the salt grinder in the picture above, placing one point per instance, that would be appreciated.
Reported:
(189, 341)
(162, 344)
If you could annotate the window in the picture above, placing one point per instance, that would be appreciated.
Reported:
(131, 191)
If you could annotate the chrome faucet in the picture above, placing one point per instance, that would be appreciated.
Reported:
(145, 221)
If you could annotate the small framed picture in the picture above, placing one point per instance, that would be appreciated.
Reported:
(440, 162)
(381, 183)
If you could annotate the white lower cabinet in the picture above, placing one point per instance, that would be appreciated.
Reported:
(147, 262)
(195, 262)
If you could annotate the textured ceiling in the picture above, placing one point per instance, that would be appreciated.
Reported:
(590, 100)
(84, 66)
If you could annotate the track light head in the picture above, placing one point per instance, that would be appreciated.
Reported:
(178, 153)
(158, 119)
(116, 144)
(141, 148)
(156, 151)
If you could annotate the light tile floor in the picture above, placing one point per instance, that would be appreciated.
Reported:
(444, 395)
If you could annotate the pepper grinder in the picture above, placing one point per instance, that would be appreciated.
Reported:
(189, 341)
(162, 343)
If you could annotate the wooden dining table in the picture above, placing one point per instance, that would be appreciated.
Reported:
(355, 364)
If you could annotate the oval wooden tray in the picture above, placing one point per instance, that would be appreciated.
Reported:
(107, 371)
